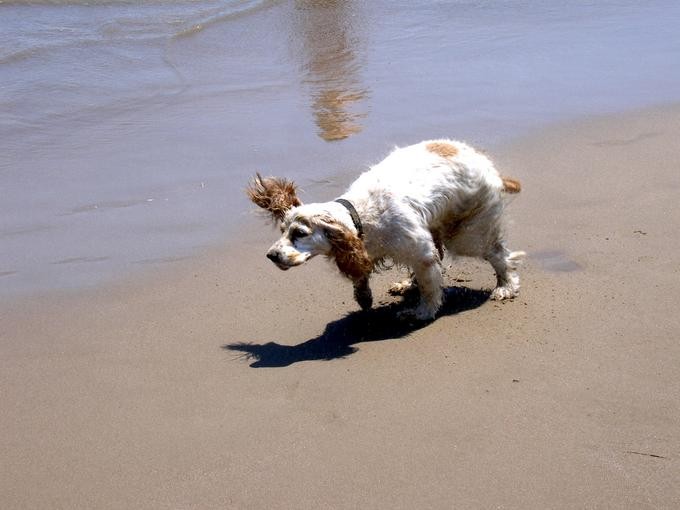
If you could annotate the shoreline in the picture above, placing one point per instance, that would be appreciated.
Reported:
(147, 393)
(132, 165)
(255, 228)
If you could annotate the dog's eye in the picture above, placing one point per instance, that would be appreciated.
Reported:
(298, 232)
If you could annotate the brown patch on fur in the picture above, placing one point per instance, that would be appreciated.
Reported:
(348, 252)
(511, 185)
(445, 150)
(273, 194)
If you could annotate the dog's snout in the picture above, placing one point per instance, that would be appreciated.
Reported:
(277, 258)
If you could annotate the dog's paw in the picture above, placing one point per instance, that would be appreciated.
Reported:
(501, 293)
(401, 288)
(364, 298)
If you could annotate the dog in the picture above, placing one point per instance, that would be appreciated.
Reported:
(419, 201)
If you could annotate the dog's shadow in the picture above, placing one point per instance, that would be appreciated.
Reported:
(339, 337)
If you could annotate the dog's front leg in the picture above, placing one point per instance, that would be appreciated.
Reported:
(430, 282)
(362, 293)
(428, 273)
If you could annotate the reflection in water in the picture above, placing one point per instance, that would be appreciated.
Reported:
(327, 30)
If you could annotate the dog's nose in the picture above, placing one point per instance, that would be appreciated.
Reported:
(273, 256)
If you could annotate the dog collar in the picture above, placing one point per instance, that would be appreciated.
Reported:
(353, 213)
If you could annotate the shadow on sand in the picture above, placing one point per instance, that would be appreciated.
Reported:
(339, 337)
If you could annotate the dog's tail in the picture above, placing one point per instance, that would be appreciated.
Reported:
(511, 185)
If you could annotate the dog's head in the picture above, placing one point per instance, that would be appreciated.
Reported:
(307, 230)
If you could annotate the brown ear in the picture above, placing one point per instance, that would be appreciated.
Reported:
(348, 251)
(273, 194)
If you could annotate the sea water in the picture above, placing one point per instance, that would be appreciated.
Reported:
(128, 129)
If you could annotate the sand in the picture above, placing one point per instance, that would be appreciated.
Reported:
(226, 383)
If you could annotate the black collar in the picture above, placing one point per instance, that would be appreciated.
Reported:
(353, 213)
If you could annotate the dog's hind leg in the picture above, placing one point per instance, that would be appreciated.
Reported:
(505, 264)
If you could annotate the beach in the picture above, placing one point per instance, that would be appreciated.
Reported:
(152, 357)
(228, 383)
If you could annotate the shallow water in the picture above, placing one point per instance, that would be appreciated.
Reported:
(128, 129)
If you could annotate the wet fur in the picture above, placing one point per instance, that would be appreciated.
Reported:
(274, 195)
(419, 202)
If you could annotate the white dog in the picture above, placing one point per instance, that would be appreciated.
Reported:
(419, 200)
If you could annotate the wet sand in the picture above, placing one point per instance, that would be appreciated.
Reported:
(226, 383)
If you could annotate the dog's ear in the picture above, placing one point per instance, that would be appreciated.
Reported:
(348, 250)
(273, 194)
